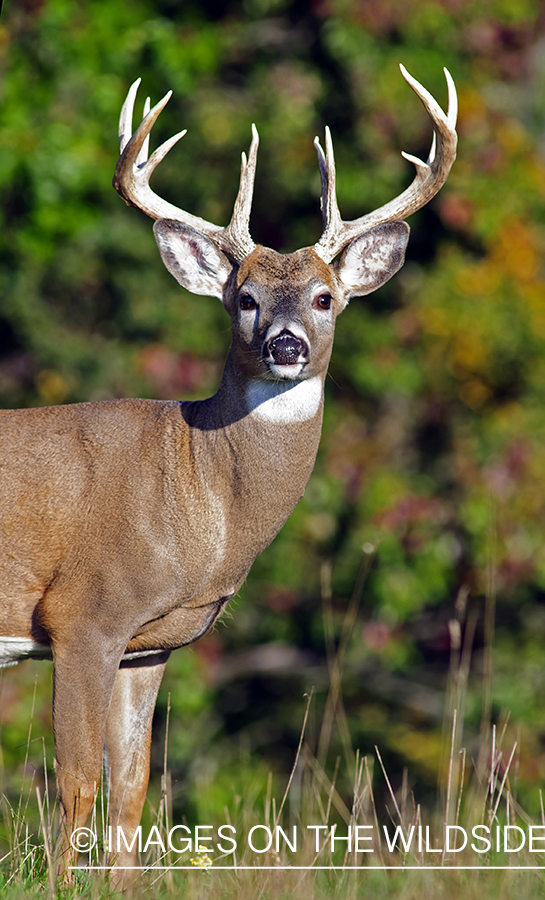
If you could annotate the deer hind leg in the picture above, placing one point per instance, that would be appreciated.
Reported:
(127, 746)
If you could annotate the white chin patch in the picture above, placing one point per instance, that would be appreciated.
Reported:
(286, 373)
(284, 401)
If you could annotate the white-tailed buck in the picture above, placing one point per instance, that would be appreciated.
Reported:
(127, 525)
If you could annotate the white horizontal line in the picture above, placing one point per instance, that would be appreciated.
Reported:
(195, 868)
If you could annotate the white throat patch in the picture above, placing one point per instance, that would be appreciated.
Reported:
(284, 402)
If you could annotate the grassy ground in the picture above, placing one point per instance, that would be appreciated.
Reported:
(408, 841)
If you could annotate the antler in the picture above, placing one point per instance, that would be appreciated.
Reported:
(134, 169)
(430, 176)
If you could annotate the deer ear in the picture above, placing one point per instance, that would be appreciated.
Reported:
(192, 258)
(372, 258)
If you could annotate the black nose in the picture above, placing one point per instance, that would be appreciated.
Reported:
(286, 349)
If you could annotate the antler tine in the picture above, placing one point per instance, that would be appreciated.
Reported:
(125, 119)
(326, 163)
(144, 152)
(134, 169)
(444, 124)
(430, 176)
(322, 165)
(132, 175)
(237, 236)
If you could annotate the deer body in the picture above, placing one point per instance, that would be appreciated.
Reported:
(127, 525)
(141, 553)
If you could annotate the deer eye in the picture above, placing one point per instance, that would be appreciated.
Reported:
(247, 302)
(322, 302)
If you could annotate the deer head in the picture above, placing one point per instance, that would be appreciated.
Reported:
(282, 305)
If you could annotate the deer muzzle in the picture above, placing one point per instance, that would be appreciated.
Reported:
(286, 350)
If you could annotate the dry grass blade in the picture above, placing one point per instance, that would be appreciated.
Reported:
(500, 792)
(390, 789)
(373, 804)
(47, 851)
(334, 799)
(449, 778)
(292, 773)
(460, 785)
(335, 710)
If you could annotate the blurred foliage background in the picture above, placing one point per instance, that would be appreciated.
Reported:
(423, 521)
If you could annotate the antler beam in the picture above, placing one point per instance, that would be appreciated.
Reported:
(134, 169)
(430, 176)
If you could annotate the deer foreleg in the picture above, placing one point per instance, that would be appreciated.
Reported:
(83, 679)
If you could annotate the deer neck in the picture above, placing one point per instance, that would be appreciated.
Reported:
(254, 444)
